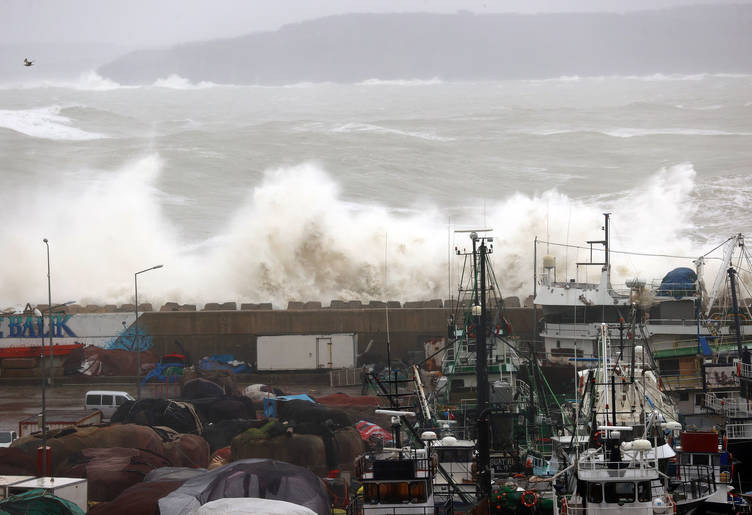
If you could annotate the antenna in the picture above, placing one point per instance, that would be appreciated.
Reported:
(386, 308)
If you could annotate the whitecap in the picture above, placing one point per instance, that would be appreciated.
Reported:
(44, 122)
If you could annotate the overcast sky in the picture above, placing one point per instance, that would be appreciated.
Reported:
(138, 23)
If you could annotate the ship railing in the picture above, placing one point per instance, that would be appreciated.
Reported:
(732, 406)
(693, 482)
(683, 381)
(743, 370)
(442, 505)
(364, 465)
(740, 431)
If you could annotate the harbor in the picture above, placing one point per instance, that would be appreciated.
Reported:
(470, 420)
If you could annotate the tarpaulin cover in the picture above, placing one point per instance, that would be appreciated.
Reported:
(259, 392)
(96, 361)
(165, 373)
(180, 416)
(16, 462)
(252, 505)
(37, 502)
(173, 474)
(200, 388)
(267, 479)
(220, 434)
(139, 499)
(270, 404)
(110, 471)
(215, 409)
(368, 431)
(223, 362)
(679, 282)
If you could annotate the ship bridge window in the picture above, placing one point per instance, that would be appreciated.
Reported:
(394, 493)
(699, 459)
(595, 492)
(371, 493)
(418, 492)
(620, 492)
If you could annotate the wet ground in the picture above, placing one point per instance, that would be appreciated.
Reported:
(18, 402)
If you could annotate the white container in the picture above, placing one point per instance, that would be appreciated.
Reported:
(8, 481)
(73, 489)
(306, 351)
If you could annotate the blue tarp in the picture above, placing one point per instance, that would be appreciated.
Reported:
(165, 373)
(705, 347)
(270, 404)
(223, 362)
(678, 283)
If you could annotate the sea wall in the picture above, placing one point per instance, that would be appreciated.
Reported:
(235, 332)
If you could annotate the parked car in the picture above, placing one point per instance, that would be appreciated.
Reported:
(7, 438)
(107, 401)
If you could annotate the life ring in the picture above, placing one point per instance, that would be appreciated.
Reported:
(564, 506)
(529, 499)
(598, 438)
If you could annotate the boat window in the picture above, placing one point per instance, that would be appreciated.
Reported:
(394, 493)
(595, 492)
(685, 459)
(620, 492)
(700, 459)
(5, 437)
(716, 460)
(106, 400)
(94, 400)
(418, 491)
(371, 493)
(643, 491)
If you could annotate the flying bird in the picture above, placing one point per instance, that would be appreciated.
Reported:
(28, 63)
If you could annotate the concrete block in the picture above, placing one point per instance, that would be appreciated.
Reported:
(394, 304)
(94, 308)
(512, 302)
(170, 306)
(146, 306)
(126, 308)
(188, 307)
(110, 308)
(338, 304)
(414, 304)
(315, 304)
(529, 301)
(216, 306)
(354, 304)
(250, 306)
(377, 304)
(433, 303)
(294, 304)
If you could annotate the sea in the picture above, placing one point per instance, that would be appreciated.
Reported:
(316, 192)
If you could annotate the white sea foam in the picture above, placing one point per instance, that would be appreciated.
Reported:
(296, 237)
(87, 81)
(367, 127)
(630, 132)
(401, 82)
(174, 81)
(44, 122)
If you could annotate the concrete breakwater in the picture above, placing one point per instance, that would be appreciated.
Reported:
(235, 332)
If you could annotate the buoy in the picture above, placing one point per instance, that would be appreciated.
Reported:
(529, 499)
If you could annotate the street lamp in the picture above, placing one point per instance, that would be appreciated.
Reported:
(136, 337)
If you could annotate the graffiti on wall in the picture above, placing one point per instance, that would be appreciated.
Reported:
(106, 330)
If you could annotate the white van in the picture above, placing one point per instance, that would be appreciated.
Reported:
(107, 401)
(7, 438)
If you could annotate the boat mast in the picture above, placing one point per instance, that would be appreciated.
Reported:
(735, 312)
(481, 369)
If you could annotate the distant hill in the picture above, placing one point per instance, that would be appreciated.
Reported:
(462, 46)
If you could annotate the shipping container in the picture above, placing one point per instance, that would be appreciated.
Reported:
(306, 351)
(58, 419)
(73, 489)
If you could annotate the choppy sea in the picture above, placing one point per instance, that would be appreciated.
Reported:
(354, 191)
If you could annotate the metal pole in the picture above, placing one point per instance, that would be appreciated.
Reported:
(135, 339)
(49, 300)
(481, 371)
(44, 365)
(735, 307)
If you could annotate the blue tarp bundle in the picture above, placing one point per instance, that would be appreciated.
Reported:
(223, 362)
(165, 373)
(270, 404)
(679, 282)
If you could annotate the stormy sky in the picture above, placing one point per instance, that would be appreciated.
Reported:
(142, 23)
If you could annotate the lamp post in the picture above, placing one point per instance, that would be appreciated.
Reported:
(136, 336)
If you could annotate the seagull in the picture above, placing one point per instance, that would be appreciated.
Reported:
(28, 63)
